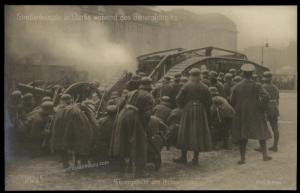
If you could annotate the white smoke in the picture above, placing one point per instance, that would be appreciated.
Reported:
(85, 44)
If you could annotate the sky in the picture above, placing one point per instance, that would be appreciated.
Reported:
(256, 25)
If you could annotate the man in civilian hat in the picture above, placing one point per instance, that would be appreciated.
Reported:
(175, 88)
(249, 100)
(194, 132)
(205, 77)
(228, 86)
(129, 136)
(272, 110)
(221, 77)
(164, 90)
(215, 83)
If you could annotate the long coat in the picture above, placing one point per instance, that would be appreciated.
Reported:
(250, 120)
(74, 131)
(129, 138)
(273, 110)
(194, 133)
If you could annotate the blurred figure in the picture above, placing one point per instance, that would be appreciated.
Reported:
(273, 107)
(237, 79)
(173, 123)
(103, 134)
(176, 86)
(133, 83)
(233, 72)
(28, 102)
(164, 90)
(215, 83)
(228, 86)
(39, 129)
(205, 77)
(163, 109)
(183, 80)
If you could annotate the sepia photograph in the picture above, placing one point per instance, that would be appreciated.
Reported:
(150, 97)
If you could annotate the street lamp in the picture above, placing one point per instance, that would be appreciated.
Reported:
(262, 52)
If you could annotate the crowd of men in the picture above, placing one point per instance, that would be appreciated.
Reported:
(203, 112)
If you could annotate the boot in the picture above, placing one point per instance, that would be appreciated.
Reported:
(263, 145)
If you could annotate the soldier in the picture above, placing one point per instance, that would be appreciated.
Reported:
(233, 72)
(194, 133)
(28, 103)
(175, 88)
(273, 110)
(249, 100)
(222, 114)
(183, 80)
(65, 99)
(39, 128)
(228, 86)
(221, 77)
(215, 83)
(173, 123)
(164, 90)
(133, 83)
(237, 79)
(103, 135)
(205, 77)
(16, 117)
(129, 138)
(163, 109)
(114, 98)
(255, 78)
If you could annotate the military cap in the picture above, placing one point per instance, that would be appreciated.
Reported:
(16, 93)
(125, 91)
(194, 72)
(237, 78)
(96, 83)
(165, 99)
(205, 72)
(135, 77)
(228, 75)
(111, 108)
(183, 79)
(27, 96)
(232, 70)
(267, 74)
(167, 78)
(213, 74)
(221, 74)
(114, 94)
(146, 83)
(213, 91)
(248, 67)
(46, 98)
(47, 106)
(142, 74)
(66, 97)
(177, 76)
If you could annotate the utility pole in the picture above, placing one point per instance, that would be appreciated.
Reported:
(262, 52)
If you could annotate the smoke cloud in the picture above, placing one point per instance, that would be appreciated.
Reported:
(87, 44)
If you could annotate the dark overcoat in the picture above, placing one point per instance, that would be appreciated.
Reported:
(129, 138)
(194, 132)
(250, 120)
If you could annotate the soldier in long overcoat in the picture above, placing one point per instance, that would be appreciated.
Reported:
(194, 133)
(273, 107)
(176, 86)
(249, 100)
(228, 86)
(129, 138)
(213, 82)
